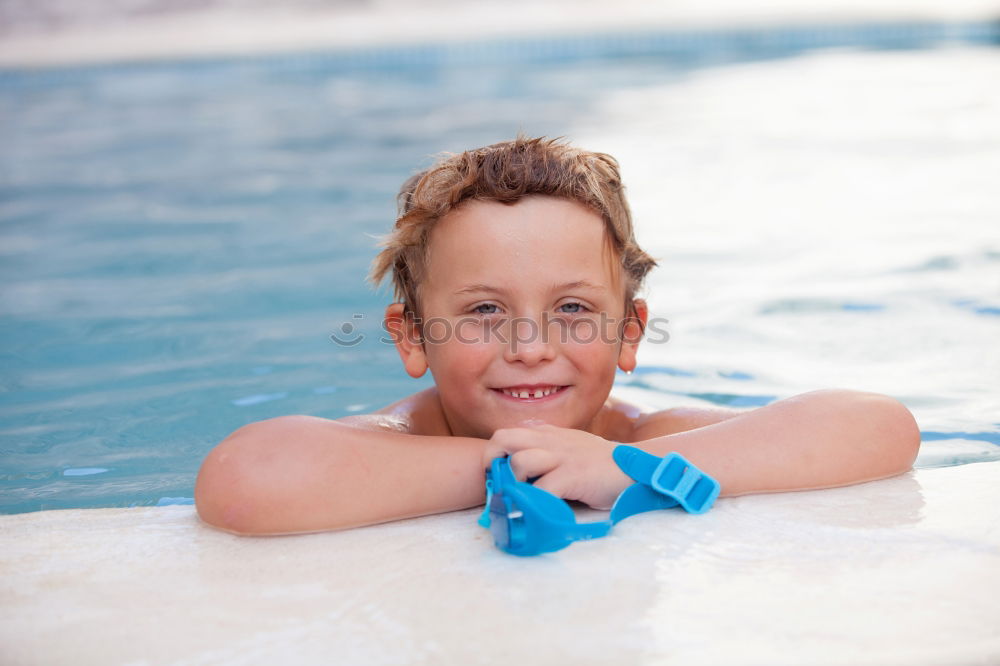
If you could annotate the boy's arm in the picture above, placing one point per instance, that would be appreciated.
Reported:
(297, 474)
(815, 440)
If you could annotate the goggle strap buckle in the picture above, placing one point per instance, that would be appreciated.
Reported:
(672, 476)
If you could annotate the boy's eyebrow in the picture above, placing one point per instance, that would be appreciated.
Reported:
(576, 284)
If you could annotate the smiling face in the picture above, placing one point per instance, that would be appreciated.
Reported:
(521, 316)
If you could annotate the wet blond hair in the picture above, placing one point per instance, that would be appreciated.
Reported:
(506, 172)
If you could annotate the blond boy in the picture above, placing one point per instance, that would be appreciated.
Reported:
(517, 269)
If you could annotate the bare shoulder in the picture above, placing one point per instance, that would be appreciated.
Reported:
(417, 414)
(680, 419)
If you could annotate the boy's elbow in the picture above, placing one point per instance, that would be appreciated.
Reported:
(895, 431)
(884, 431)
(239, 488)
(222, 492)
(905, 431)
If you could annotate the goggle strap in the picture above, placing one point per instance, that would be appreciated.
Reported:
(639, 498)
(636, 463)
(672, 476)
(594, 530)
(484, 519)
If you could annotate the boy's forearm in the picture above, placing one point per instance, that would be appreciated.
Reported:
(815, 440)
(303, 474)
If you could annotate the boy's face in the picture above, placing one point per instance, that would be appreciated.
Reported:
(522, 308)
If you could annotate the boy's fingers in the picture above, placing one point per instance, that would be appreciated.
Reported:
(510, 441)
(532, 463)
(496, 448)
(556, 483)
(516, 438)
(506, 441)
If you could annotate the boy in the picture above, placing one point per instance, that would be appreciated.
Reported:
(517, 268)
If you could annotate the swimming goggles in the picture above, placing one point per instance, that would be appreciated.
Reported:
(526, 520)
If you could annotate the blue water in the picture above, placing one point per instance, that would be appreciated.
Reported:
(178, 242)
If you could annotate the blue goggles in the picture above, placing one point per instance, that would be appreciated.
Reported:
(526, 520)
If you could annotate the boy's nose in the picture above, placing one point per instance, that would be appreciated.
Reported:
(529, 342)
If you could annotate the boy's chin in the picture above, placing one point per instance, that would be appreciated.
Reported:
(530, 421)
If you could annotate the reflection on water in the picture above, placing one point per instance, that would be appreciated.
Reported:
(824, 221)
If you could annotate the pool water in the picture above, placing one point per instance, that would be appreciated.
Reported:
(179, 241)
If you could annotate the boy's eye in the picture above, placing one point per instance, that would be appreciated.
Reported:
(571, 308)
(486, 308)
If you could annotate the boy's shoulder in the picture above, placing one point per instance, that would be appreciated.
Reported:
(417, 414)
(680, 419)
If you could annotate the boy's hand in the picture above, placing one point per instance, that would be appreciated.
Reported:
(568, 463)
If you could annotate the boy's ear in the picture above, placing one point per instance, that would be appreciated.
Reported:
(632, 332)
(406, 336)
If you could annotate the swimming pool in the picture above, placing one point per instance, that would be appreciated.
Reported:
(180, 240)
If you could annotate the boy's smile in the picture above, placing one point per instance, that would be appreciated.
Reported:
(521, 311)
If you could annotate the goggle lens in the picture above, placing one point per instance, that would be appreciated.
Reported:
(498, 520)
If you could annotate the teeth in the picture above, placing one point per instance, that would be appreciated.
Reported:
(525, 395)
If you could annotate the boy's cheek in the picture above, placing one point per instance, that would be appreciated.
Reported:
(460, 359)
(458, 368)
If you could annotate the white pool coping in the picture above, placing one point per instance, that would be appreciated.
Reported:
(397, 22)
(901, 571)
